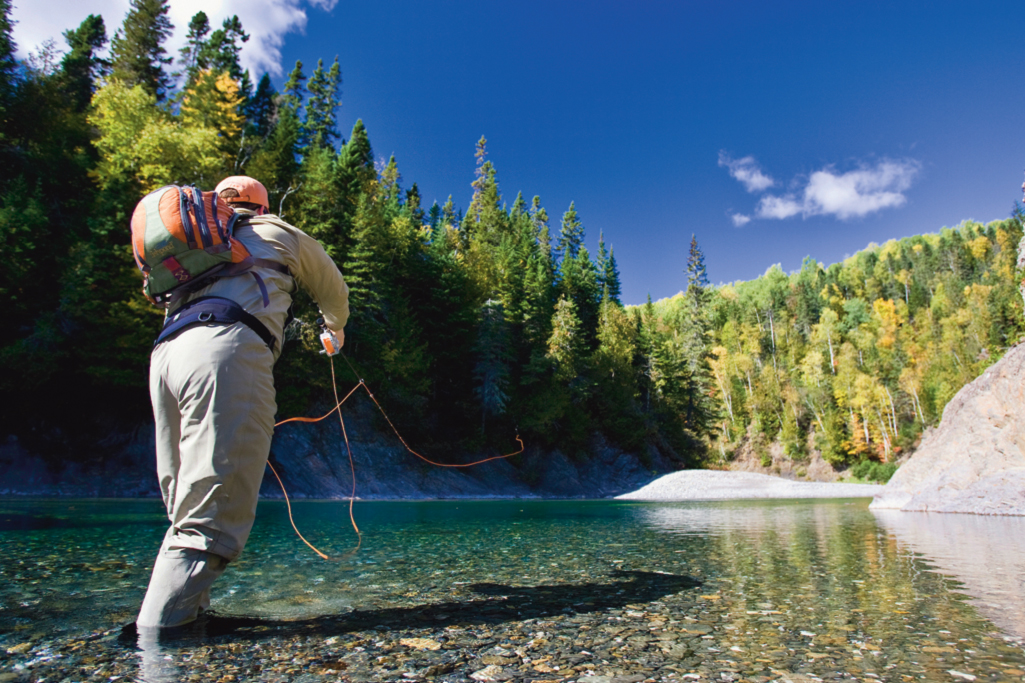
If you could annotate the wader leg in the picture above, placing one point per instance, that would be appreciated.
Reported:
(179, 587)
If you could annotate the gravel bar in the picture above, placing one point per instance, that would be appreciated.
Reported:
(720, 485)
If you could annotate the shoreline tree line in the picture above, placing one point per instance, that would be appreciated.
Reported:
(472, 325)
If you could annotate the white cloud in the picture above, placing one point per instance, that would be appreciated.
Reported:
(266, 21)
(746, 170)
(777, 207)
(740, 219)
(853, 194)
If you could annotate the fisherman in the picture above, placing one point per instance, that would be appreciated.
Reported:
(212, 389)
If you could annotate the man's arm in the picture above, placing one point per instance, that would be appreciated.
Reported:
(319, 275)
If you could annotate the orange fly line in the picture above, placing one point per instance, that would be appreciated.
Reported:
(348, 448)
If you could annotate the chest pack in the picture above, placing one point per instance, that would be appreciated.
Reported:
(182, 239)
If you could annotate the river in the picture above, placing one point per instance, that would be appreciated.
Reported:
(604, 591)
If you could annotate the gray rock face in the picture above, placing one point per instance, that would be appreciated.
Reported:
(975, 460)
(313, 463)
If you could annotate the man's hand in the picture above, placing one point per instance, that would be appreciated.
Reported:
(331, 341)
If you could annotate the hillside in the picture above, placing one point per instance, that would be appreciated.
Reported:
(855, 359)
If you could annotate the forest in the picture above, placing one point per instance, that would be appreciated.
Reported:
(472, 324)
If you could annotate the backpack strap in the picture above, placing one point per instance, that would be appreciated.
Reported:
(213, 309)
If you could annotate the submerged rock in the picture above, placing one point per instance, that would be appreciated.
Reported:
(975, 460)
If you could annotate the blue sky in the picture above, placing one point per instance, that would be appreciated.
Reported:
(772, 131)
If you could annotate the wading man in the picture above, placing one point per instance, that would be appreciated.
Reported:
(211, 379)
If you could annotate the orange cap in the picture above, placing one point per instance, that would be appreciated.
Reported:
(250, 190)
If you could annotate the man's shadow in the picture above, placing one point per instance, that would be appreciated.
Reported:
(503, 604)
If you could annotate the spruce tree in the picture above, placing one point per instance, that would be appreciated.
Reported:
(195, 39)
(696, 273)
(356, 158)
(261, 109)
(317, 206)
(323, 103)
(491, 370)
(293, 93)
(566, 344)
(137, 53)
(608, 273)
(539, 218)
(275, 163)
(8, 63)
(412, 204)
(571, 237)
(220, 52)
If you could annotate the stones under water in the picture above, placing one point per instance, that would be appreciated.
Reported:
(603, 591)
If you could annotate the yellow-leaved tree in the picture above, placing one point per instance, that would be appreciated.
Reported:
(143, 144)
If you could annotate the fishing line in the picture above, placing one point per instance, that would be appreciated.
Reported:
(348, 448)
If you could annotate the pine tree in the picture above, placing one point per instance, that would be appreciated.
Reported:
(356, 160)
(261, 109)
(220, 52)
(412, 204)
(81, 66)
(539, 218)
(317, 203)
(696, 273)
(195, 39)
(292, 94)
(491, 370)
(608, 273)
(137, 52)
(578, 281)
(566, 344)
(571, 238)
(275, 163)
(320, 109)
(8, 63)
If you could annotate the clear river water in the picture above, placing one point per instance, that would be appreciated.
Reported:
(508, 590)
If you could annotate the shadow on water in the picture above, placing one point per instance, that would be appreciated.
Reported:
(506, 603)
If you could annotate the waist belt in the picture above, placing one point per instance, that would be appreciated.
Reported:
(213, 309)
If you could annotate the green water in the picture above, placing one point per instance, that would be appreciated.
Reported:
(800, 586)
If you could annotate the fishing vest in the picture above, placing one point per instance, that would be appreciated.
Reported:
(182, 240)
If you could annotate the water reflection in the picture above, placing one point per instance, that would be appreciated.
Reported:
(986, 554)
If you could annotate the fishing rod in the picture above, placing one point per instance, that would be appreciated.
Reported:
(333, 347)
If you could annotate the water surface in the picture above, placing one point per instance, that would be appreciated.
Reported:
(746, 590)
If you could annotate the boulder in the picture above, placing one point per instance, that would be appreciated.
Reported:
(975, 460)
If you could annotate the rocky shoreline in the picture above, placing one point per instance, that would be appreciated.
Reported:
(627, 627)
(720, 485)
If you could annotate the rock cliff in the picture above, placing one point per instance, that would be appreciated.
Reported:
(975, 460)
(313, 463)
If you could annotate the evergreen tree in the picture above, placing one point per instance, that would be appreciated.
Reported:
(539, 218)
(292, 94)
(81, 66)
(195, 40)
(220, 52)
(412, 204)
(356, 159)
(696, 274)
(578, 281)
(320, 109)
(491, 370)
(261, 109)
(8, 63)
(275, 163)
(566, 344)
(571, 237)
(137, 52)
(318, 209)
(608, 272)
